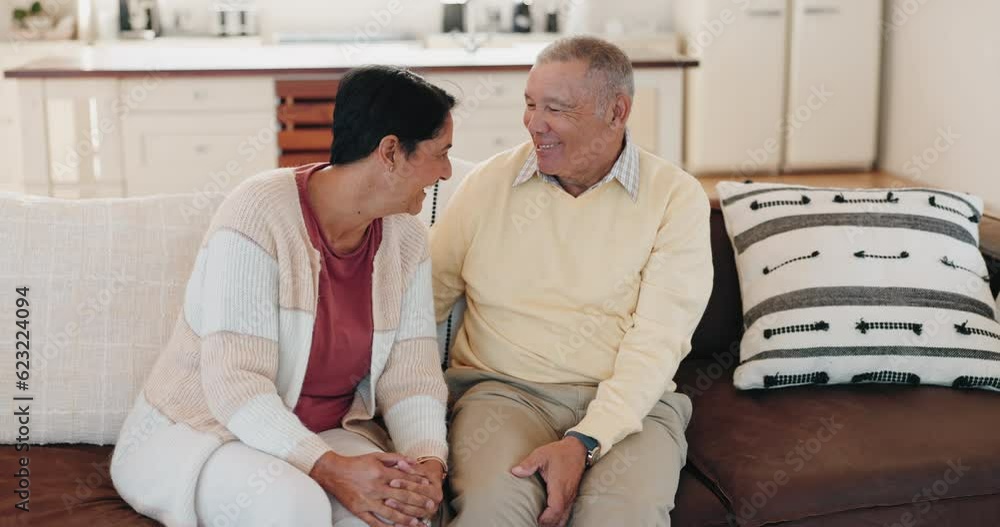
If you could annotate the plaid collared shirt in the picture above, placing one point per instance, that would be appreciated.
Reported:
(625, 170)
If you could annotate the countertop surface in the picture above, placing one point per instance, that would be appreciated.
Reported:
(248, 56)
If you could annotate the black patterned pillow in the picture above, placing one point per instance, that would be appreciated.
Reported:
(862, 285)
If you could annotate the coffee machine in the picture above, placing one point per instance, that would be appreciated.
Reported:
(139, 19)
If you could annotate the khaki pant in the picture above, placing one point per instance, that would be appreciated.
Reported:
(498, 420)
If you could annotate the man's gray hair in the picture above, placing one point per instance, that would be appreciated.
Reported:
(609, 66)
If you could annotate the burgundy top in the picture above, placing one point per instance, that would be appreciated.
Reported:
(341, 350)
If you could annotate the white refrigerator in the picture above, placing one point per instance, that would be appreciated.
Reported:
(783, 85)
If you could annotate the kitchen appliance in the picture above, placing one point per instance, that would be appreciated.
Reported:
(139, 19)
(522, 16)
(552, 22)
(229, 19)
(454, 16)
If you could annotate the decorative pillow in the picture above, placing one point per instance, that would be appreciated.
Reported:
(861, 285)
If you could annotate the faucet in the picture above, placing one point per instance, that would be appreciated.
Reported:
(471, 40)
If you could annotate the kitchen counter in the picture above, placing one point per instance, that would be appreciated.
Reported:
(173, 114)
(255, 59)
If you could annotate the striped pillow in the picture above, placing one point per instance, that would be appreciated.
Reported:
(861, 285)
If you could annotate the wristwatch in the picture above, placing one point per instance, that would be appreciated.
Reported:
(592, 446)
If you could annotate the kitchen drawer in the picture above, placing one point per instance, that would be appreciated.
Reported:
(481, 144)
(255, 94)
(488, 118)
(483, 90)
(191, 153)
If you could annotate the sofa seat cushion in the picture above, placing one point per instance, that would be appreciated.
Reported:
(696, 504)
(809, 451)
(70, 486)
(974, 511)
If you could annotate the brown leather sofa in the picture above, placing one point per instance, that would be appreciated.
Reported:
(831, 456)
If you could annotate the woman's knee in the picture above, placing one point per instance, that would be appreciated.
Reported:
(303, 502)
(350, 522)
(260, 493)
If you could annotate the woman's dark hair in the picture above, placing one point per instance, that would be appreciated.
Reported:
(376, 101)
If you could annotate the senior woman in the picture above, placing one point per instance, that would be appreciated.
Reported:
(308, 314)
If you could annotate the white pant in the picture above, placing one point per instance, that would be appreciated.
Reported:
(242, 486)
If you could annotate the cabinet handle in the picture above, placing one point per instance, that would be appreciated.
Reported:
(822, 11)
(771, 13)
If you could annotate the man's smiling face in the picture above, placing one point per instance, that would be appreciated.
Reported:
(561, 104)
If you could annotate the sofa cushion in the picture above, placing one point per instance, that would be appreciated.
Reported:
(696, 504)
(70, 486)
(808, 451)
(861, 285)
(975, 511)
(106, 279)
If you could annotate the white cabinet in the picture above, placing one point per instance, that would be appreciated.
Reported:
(88, 138)
(735, 97)
(747, 113)
(196, 135)
(833, 84)
(488, 112)
(488, 117)
(175, 154)
(10, 152)
(11, 143)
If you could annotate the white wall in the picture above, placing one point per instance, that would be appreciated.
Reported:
(5, 16)
(417, 16)
(636, 16)
(941, 96)
(387, 16)
(424, 16)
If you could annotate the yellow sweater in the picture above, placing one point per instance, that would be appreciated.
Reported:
(596, 290)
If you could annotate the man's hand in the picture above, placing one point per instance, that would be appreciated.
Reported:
(433, 473)
(561, 465)
(363, 484)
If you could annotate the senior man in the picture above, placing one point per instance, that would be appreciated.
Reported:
(586, 265)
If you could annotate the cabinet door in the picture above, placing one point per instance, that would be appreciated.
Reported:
(735, 97)
(189, 153)
(10, 152)
(833, 84)
(488, 112)
(10, 137)
(487, 132)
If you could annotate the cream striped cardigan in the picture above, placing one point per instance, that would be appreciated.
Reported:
(234, 365)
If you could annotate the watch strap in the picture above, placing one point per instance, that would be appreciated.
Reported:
(589, 443)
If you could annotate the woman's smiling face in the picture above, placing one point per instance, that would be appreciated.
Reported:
(428, 164)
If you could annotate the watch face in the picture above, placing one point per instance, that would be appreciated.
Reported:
(593, 455)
